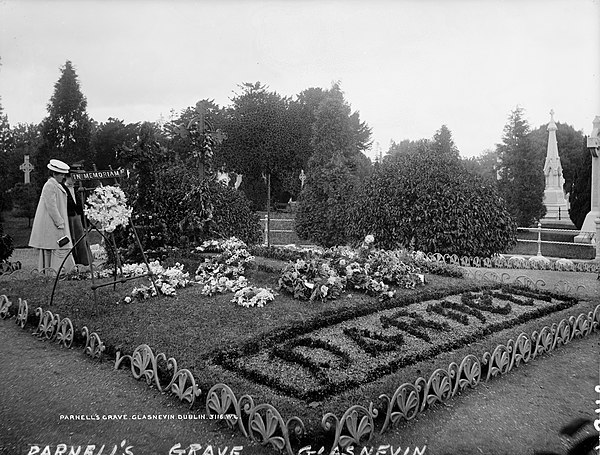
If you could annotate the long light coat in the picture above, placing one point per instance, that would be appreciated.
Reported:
(50, 214)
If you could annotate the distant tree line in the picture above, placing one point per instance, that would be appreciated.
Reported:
(261, 133)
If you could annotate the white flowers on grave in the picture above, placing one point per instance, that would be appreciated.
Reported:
(107, 206)
(167, 279)
(369, 239)
(251, 296)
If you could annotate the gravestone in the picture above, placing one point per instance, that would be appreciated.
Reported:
(557, 208)
(27, 167)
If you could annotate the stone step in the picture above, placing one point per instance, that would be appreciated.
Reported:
(281, 224)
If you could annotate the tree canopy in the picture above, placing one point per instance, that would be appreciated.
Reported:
(335, 170)
(521, 171)
(580, 194)
(433, 204)
(66, 131)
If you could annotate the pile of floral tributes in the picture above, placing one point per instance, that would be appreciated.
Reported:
(225, 272)
(340, 269)
(167, 280)
(321, 275)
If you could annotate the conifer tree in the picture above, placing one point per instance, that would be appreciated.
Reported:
(5, 149)
(580, 192)
(5, 131)
(334, 171)
(521, 172)
(443, 144)
(67, 130)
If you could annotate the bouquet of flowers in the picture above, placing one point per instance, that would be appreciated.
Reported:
(311, 280)
(107, 206)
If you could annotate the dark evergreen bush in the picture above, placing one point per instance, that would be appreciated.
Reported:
(432, 204)
(185, 211)
(196, 211)
(6, 244)
(322, 212)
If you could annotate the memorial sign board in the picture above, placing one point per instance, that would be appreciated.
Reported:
(98, 175)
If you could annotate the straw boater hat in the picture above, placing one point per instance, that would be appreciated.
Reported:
(58, 166)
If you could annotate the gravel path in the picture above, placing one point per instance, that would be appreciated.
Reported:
(41, 381)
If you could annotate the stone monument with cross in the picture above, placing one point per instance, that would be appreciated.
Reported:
(302, 179)
(557, 207)
(588, 229)
(27, 167)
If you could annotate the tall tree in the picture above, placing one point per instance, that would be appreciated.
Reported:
(66, 131)
(5, 131)
(485, 165)
(256, 129)
(580, 191)
(404, 148)
(334, 171)
(144, 156)
(109, 138)
(521, 171)
(443, 144)
(5, 149)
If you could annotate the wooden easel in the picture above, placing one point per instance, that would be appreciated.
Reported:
(80, 177)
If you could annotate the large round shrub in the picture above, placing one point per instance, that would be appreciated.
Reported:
(199, 210)
(432, 204)
(321, 216)
(232, 215)
(185, 210)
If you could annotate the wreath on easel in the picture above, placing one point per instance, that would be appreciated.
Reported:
(107, 207)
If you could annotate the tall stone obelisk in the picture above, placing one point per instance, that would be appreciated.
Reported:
(557, 208)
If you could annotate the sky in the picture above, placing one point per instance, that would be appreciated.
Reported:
(408, 67)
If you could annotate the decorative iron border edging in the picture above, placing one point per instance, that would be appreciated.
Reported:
(516, 262)
(560, 287)
(410, 399)
(264, 424)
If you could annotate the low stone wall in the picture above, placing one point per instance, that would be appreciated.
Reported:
(580, 251)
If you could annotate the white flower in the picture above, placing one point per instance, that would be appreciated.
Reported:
(107, 206)
(127, 299)
(369, 239)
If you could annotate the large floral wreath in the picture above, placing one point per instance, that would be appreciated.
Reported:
(107, 206)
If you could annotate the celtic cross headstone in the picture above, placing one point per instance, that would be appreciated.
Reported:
(27, 167)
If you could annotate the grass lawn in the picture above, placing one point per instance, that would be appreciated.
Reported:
(248, 348)
(20, 230)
